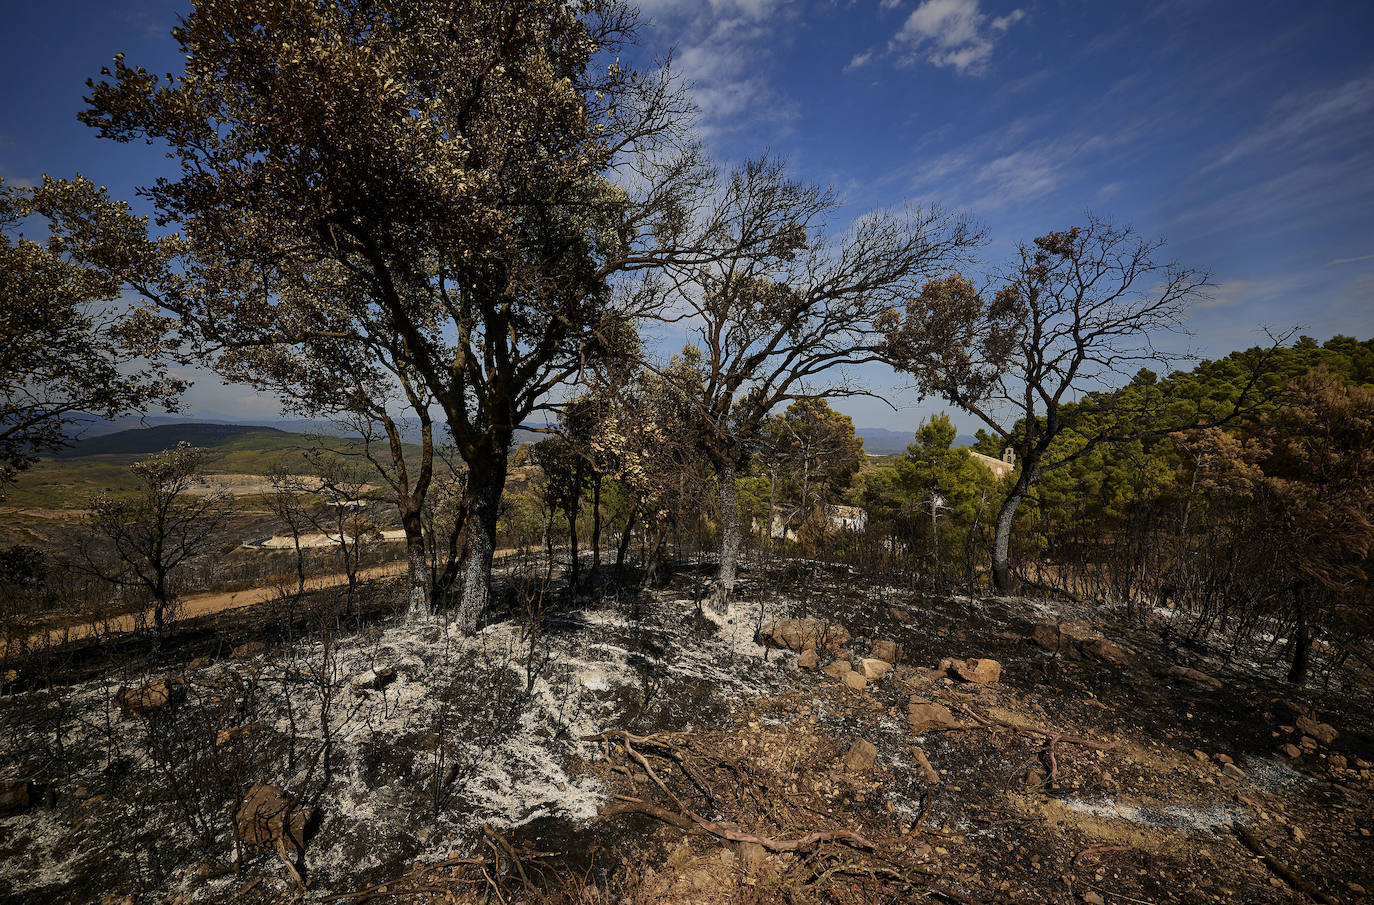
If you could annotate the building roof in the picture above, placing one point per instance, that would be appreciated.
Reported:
(998, 467)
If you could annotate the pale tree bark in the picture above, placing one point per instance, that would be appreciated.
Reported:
(1001, 544)
(417, 569)
(730, 539)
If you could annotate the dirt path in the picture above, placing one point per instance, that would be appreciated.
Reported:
(196, 605)
(207, 604)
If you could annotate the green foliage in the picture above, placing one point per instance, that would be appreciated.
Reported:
(934, 467)
(68, 346)
(811, 455)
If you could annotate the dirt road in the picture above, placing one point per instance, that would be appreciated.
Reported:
(207, 604)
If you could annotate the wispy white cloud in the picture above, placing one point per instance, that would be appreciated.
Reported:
(859, 61)
(1017, 164)
(722, 49)
(1368, 257)
(1318, 120)
(952, 33)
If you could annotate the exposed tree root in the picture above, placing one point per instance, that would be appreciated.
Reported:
(1283, 871)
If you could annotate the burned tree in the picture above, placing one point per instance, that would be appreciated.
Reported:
(142, 542)
(1078, 310)
(782, 308)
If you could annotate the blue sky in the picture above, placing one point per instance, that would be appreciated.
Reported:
(1243, 132)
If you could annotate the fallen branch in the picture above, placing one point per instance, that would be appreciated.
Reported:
(493, 836)
(1283, 871)
(693, 822)
(1052, 738)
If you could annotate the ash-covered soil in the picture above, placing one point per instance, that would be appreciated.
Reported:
(631, 751)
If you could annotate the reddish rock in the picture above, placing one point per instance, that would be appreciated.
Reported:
(837, 669)
(1049, 637)
(801, 634)
(151, 696)
(1107, 652)
(886, 650)
(1322, 732)
(854, 680)
(808, 659)
(924, 716)
(874, 668)
(1196, 676)
(225, 736)
(978, 670)
(248, 649)
(932, 775)
(16, 797)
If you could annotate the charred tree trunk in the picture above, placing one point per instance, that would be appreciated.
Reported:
(417, 567)
(596, 525)
(623, 547)
(486, 480)
(729, 539)
(574, 566)
(160, 599)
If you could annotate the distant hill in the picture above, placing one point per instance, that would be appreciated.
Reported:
(879, 441)
(148, 440)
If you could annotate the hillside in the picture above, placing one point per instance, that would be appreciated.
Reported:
(148, 440)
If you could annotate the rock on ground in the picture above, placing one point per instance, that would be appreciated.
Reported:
(150, 696)
(861, 756)
(263, 819)
(802, 634)
(924, 716)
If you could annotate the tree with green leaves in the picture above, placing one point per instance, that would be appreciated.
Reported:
(69, 348)
(811, 454)
(938, 477)
(566, 476)
(480, 175)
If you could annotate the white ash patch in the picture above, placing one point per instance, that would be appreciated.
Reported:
(384, 747)
(1177, 817)
(1272, 774)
